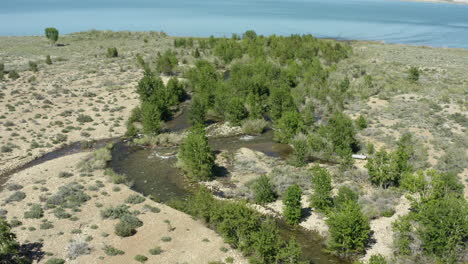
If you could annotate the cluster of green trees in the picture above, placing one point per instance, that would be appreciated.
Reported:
(156, 102)
(438, 219)
(386, 169)
(243, 228)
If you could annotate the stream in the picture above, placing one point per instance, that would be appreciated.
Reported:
(153, 173)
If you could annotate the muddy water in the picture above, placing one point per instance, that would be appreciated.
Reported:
(153, 173)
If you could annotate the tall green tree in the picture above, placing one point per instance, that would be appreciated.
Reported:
(349, 230)
(150, 118)
(235, 111)
(321, 198)
(382, 170)
(266, 241)
(197, 111)
(292, 204)
(175, 91)
(9, 247)
(52, 34)
(195, 155)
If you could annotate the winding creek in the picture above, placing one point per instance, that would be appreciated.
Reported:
(153, 173)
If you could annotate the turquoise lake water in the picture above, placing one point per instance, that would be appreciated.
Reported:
(392, 21)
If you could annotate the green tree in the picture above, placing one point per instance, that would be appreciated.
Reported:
(166, 63)
(235, 111)
(197, 111)
(263, 190)
(9, 247)
(195, 155)
(265, 241)
(152, 90)
(151, 118)
(382, 170)
(52, 34)
(321, 198)
(290, 253)
(300, 151)
(349, 230)
(288, 126)
(250, 34)
(175, 91)
(443, 227)
(292, 204)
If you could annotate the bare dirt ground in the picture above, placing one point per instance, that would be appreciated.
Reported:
(190, 241)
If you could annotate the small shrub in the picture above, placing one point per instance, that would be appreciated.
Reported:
(112, 251)
(60, 213)
(48, 60)
(135, 199)
(15, 223)
(292, 204)
(152, 209)
(46, 225)
(115, 212)
(254, 127)
(166, 239)
(77, 248)
(361, 122)
(263, 190)
(413, 74)
(13, 75)
(64, 174)
(140, 258)
(84, 118)
(155, 251)
(33, 66)
(115, 177)
(112, 52)
(35, 212)
(14, 187)
(16, 197)
(55, 261)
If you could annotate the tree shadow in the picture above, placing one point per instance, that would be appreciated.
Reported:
(305, 213)
(32, 251)
(220, 171)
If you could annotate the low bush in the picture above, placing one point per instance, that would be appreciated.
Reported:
(155, 251)
(254, 127)
(77, 248)
(69, 196)
(16, 197)
(115, 212)
(263, 191)
(135, 199)
(112, 52)
(140, 258)
(33, 66)
(112, 251)
(55, 261)
(35, 212)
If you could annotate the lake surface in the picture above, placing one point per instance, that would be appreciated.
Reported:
(392, 21)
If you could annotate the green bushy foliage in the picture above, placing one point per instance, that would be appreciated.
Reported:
(292, 205)
(52, 34)
(33, 66)
(196, 156)
(321, 198)
(345, 194)
(48, 60)
(263, 190)
(413, 74)
(288, 126)
(166, 62)
(13, 75)
(112, 52)
(349, 230)
(34, 212)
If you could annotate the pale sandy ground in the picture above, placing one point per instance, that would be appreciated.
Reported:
(186, 245)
